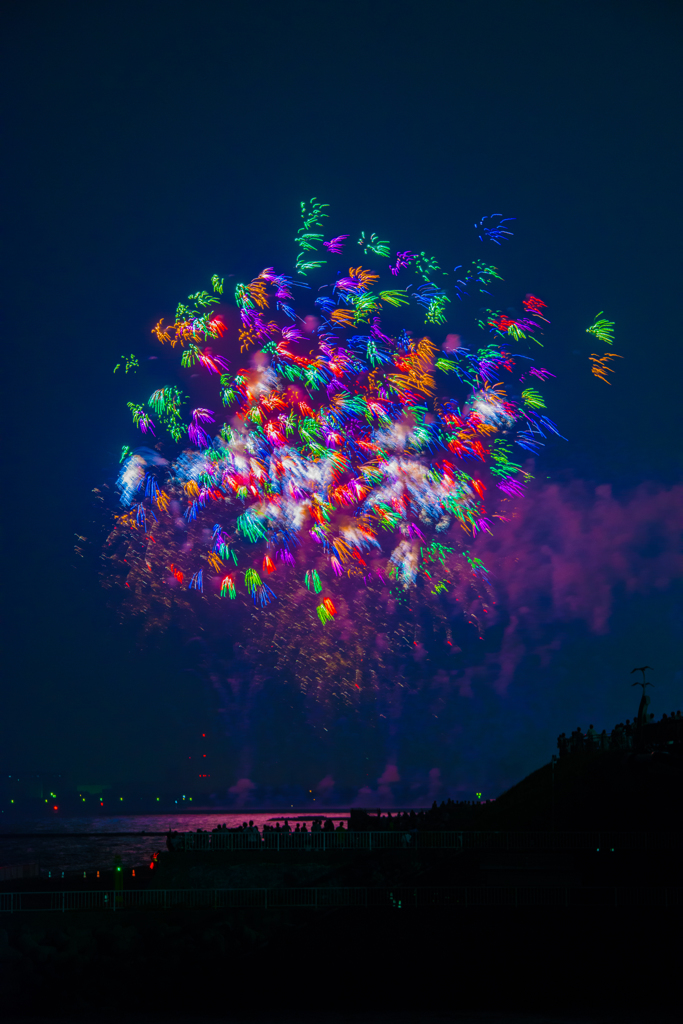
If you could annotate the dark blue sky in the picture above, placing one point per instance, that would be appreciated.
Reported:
(148, 145)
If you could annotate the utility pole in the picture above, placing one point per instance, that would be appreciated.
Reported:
(641, 720)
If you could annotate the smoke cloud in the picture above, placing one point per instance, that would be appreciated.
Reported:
(566, 555)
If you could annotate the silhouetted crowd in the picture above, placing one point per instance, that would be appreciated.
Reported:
(317, 825)
(254, 835)
(450, 814)
(666, 735)
(655, 736)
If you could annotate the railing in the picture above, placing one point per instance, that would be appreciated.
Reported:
(327, 898)
(416, 840)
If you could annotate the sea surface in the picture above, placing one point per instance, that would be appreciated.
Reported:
(45, 841)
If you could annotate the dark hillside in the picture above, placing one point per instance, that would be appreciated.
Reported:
(586, 791)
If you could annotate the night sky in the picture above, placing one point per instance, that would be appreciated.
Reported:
(148, 145)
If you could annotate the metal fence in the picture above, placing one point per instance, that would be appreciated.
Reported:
(416, 840)
(396, 897)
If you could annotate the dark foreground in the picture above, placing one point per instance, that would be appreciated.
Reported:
(238, 963)
(587, 960)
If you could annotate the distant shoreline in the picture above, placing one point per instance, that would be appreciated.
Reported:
(277, 812)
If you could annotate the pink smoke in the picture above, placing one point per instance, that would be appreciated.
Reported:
(565, 554)
(452, 342)
(242, 789)
(325, 786)
(389, 775)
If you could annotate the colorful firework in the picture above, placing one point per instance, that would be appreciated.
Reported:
(352, 463)
(495, 230)
(602, 329)
(601, 365)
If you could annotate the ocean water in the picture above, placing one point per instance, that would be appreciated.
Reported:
(47, 843)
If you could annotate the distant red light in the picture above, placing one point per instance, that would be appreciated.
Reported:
(55, 808)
